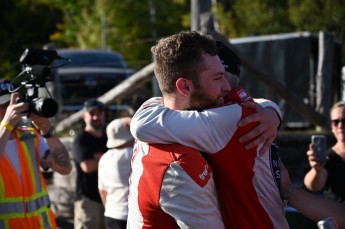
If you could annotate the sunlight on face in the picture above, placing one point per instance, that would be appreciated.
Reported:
(212, 86)
(94, 119)
(338, 129)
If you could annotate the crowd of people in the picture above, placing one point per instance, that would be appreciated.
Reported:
(201, 156)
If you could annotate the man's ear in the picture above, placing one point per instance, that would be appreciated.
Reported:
(184, 86)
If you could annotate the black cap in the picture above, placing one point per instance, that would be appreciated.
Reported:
(91, 104)
(229, 59)
(5, 95)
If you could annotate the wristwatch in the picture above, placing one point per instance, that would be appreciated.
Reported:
(50, 133)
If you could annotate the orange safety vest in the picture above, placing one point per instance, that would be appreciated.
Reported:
(24, 200)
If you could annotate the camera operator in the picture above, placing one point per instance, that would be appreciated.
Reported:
(24, 201)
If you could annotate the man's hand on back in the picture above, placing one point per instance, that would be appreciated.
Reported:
(265, 132)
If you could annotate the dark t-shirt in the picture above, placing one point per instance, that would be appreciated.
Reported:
(86, 146)
(335, 186)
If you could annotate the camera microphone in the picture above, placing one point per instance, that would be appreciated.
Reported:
(38, 70)
(33, 56)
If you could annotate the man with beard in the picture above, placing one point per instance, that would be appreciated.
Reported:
(88, 147)
(172, 184)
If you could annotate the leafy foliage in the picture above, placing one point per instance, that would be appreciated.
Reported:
(239, 18)
(132, 27)
(23, 25)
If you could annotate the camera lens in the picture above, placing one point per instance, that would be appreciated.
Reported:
(45, 107)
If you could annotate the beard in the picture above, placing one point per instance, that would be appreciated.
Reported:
(97, 126)
(200, 101)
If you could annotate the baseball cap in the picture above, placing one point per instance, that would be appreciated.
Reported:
(230, 60)
(91, 104)
(5, 95)
(118, 132)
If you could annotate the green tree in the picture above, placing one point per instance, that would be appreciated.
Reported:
(23, 24)
(321, 15)
(327, 15)
(253, 17)
(132, 26)
(240, 18)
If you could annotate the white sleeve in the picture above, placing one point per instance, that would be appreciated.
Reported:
(205, 131)
(188, 199)
(269, 103)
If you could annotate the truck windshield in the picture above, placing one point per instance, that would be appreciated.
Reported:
(77, 86)
(90, 58)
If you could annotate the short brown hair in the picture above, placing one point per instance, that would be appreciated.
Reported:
(180, 55)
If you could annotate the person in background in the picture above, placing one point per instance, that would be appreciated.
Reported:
(24, 200)
(330, 175)
(88, 147)
(113, 173)
(171, 185)
(310, 205)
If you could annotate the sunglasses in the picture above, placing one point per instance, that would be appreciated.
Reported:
(336, 122)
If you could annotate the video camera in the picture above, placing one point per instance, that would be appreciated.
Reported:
(36, 70)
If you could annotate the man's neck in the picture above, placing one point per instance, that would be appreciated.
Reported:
(93, 132)
(175, 102)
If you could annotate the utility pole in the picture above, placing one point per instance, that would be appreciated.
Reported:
(199, 8)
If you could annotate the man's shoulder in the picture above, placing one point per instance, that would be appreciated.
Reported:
(189, 159)
(178, 153)
(175, 149)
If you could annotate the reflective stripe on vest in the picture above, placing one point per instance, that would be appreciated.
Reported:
(24, 200)
(29, 140)
(16, 205)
